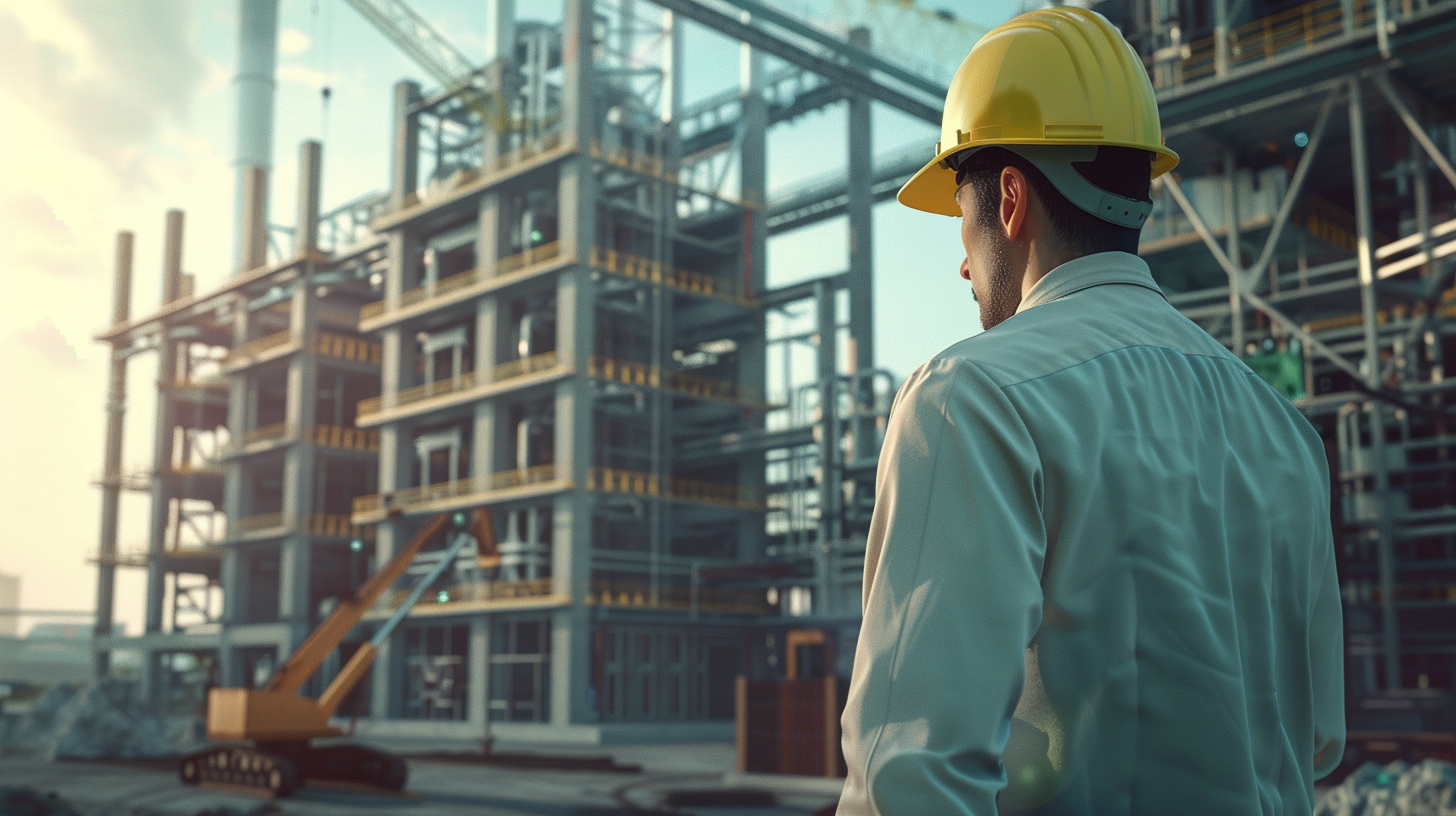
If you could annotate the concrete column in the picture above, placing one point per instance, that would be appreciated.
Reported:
(405, 156)
(300, 462)
(166, 421)
(1365, 251)
(578, 94)
(753, 274)
(253, 233)
(477, 672)
(500, 47)
(111, 464)
(1220, 37)
(310, 168)
(233, 569)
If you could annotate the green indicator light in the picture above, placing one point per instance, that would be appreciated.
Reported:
(357, 545)
(459, 519)
(537, 236)
(442, 597)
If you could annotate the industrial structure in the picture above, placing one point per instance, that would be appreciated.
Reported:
(559, 310)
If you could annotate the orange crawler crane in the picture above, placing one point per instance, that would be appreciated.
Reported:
(280, 724)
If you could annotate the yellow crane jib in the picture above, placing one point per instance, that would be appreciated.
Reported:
(280, 722)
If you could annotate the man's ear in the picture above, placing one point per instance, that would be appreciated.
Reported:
(1015, 202)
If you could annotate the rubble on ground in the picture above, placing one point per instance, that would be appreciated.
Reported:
(31, 802)
(1397, 789)
(104, 720)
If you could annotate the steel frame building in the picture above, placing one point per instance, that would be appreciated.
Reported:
(1306, 228)
(561, 305)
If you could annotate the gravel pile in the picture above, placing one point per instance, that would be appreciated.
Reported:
(1398, 789)
(100, 721)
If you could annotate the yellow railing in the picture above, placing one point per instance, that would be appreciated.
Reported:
(1284, 32)
(523, 153)
(471, 485)
(257, 347)
(531, 257)
(338, 436)
(344, 347)
(339, 526)
(277, 430)
(262, 521)
(482, 591)
(635, 373)
(633, 266)
(612, 480)
(466, 381)
(675, 596)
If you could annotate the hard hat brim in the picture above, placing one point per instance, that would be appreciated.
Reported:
(933, 188)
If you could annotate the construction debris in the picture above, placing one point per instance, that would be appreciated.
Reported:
(1398, 789)
(31, 802)
(104, 720)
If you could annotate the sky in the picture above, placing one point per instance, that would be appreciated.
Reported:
(111, 113)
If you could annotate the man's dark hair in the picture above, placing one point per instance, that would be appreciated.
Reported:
(1121, 170)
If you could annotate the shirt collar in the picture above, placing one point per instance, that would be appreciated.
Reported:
(1088, 271)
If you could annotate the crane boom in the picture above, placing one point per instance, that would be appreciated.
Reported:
(417, 38)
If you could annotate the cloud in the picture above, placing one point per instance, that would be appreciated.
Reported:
(292, 41)
(107, 75)
(47, 342)
(39, 238)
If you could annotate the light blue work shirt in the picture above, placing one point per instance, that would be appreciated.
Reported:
(1100, 568)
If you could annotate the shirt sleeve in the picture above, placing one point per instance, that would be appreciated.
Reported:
(1327, 663)
(952, 600)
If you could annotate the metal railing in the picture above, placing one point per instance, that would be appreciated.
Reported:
(634, 266)
(338, 526)
(469, 486)
(267, 433)
(613, 480)
(344, 347)
(673, 596)
(521, 260)
(477, 592)
(466, 381)
(632, 372)
(1285, 32)
(524, 153)
(255, 348)
(345, 438)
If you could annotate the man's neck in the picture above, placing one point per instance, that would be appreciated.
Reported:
(1042, 259)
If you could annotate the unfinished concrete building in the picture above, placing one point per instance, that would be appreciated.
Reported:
(559, 310)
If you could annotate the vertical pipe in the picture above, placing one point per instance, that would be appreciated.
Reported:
(861, 258)
(253, 209)
(111, 465)
(1231, 224)
(305, 231)
(1422, 190)
(162, 447)
(1390, 636)
(829, 465)
(404, 167)
(257, 59)
(1220, 38)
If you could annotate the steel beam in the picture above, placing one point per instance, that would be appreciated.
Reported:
(1383, 83)
(853, 78)
(1296, 185)
(1233, 271)
(1390, 636)
(111, 465)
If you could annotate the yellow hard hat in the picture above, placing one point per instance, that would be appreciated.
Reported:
(1058, 77)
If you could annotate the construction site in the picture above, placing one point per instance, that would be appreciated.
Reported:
(553, 327)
